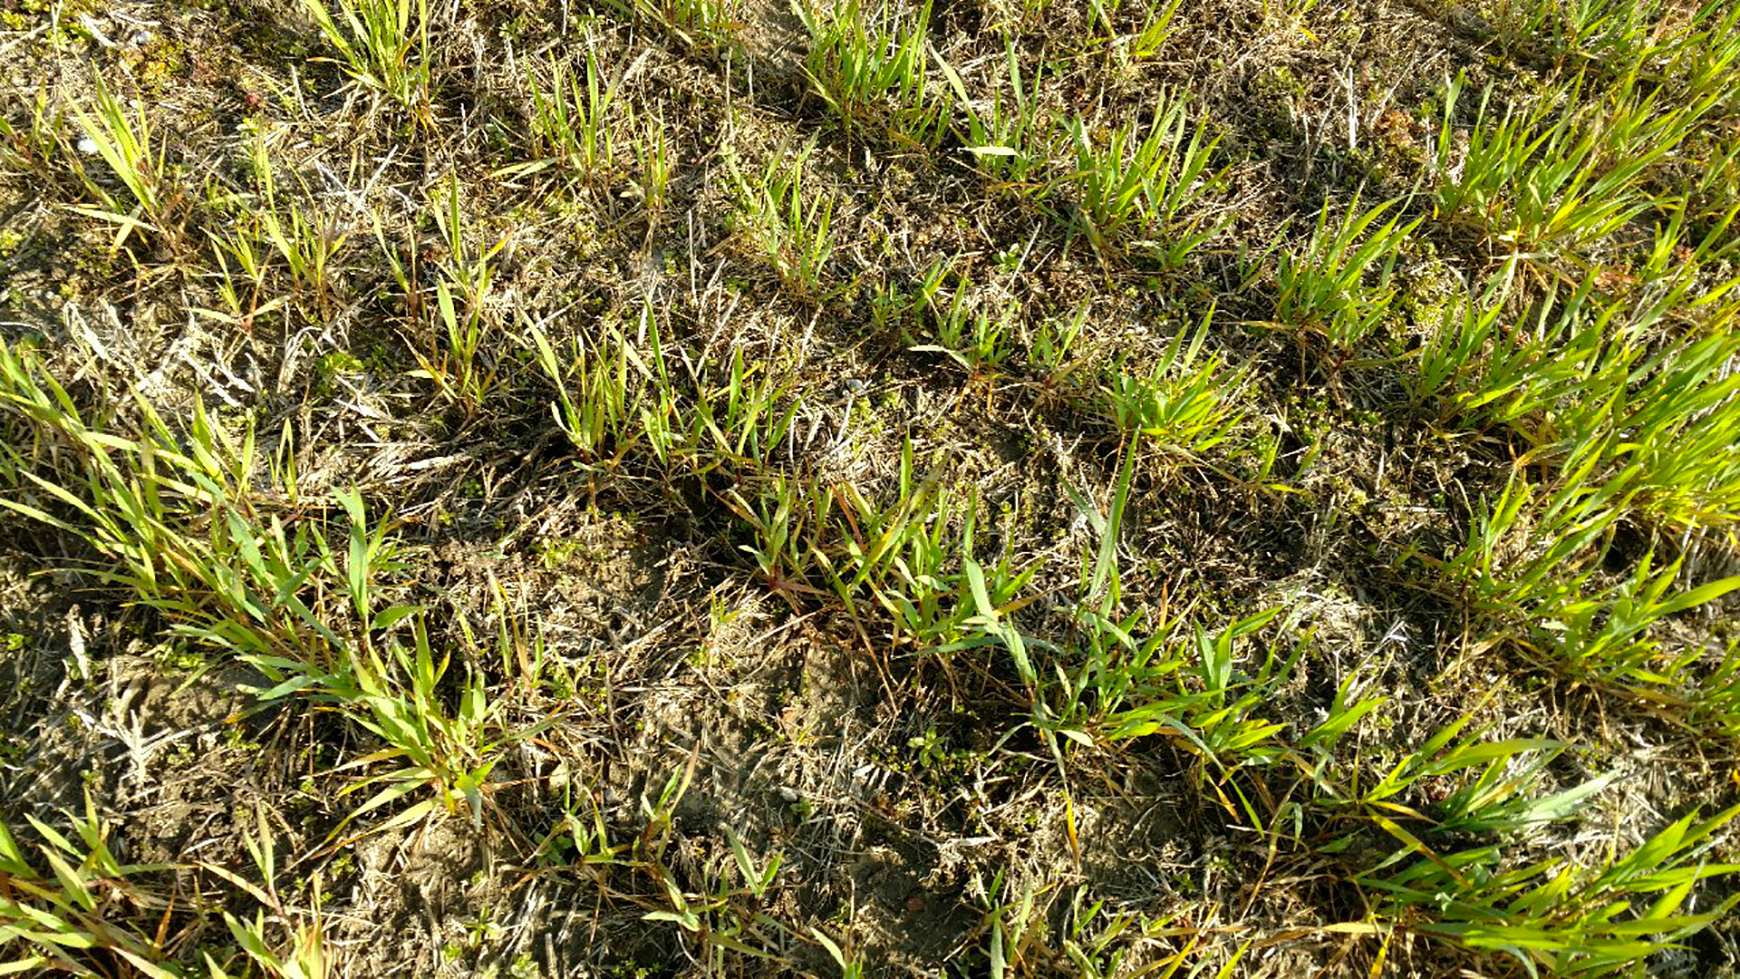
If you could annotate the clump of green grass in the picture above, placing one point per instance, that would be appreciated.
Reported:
(743, 413)
(782, 519)
(1152, 28)
(1592, 31)
(596, 407)
(1340, 286)
(35, 141)
(1548, 598)
(1546, 181)
(1452, 351)
(398, 698)
(1121, 677)
(305, 954)
(1692, 243)
(1717, 706)
(850, 963)
(1052, 347)
(1677, 425)
(704, 26)
(135, 500)
(1521, 378)
(1705, 54)
(78, 916)
(459, 361)
(1180, 405)
(576, 118)
(384, 46)
(187, 534)
(904, 554)
(1154, 184)
(1486, 797)
(1556, 915)
(1632, 429)
(869, 66)
(724, 920)
(124, 141)
(1189, 692)
(796, 237)
(1010, 137)
(972, 336)
(306, 236)
(655, 162)
(906, 564)
(1583, 382)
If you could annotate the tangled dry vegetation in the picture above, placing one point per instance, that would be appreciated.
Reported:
(1001, 488)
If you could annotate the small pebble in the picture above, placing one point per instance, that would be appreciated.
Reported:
(1465, 19)
(915, 904)
(88, 146)
(856, 385)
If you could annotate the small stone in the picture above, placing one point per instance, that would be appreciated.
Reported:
(88, 146)
(915, 904)
(1468, 20)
